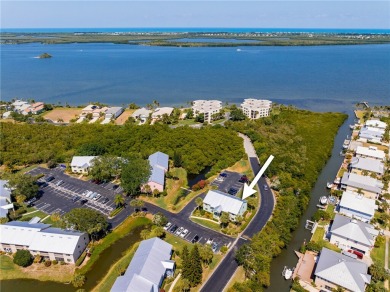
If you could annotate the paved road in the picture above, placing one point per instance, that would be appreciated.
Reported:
(228, 266)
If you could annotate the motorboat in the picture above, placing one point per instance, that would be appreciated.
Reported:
(324, 200)
(329, 185)
(287, 273)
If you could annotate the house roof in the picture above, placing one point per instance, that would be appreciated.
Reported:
(56, 240)
(19, 102)
(371, 152)
(146, 269)
(203, 106)
(90, 107)
(364, 182)
(82, 161)
(114, 110)
(4, 191)
(157, 175)
(352, 229)
(160, 159)
(376, 124)
(141, 112)
(342, 270)
(223, 201)
(19, 232)
(358, 203)
(161, 111)
(367, 163)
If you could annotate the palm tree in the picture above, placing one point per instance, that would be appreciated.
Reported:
(147, 189)
(136, 204)
(119, 200)
(198, 202)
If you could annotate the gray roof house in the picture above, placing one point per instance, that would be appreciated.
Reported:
(335, 269)
(217, 202)
(349, 233)
(114, 112)
(148, 268)
(357, 206)
(368, 164)
(159, 164)
(5, 199)
(366, 183)
(159, 159)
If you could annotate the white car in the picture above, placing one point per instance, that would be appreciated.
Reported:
(167, 226)
(179, 231)
(184, 233)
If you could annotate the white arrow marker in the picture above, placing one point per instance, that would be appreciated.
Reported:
(248, 190)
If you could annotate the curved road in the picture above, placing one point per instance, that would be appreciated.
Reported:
(228, 266)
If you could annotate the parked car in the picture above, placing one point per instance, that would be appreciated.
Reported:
(49, 178)
(243, 179)
(167, 226)
(174, 228)
(195, 239)
(58, 183)
(105, 200)
(184, 233)
(83, 201)
(265, 188)
(98, 196)
(223, 174)
(75, 199)
(233, 191)
(357, 253)
(214, 247)
(93, 195)
(209, 241)
(179, 231)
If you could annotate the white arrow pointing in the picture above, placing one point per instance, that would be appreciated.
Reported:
(248, 190)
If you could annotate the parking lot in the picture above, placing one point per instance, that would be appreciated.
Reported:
(62, 197)
(231, 181)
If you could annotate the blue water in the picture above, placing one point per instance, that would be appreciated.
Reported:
(196, 29)
(207, 40)
(320, 78)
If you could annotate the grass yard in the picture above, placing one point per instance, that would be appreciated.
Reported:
(207, 223)
(318, 238)
(378, 253)
(64, 113)
(187, 122)
(341, 172)
(239, 276)
(124, 116)
(57, 273)
(243, 166)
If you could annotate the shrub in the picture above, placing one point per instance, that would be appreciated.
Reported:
(314, 246)
(47, 263)
(81, 259)
(78, 280)
(62, 263)
(224, 249)
(23, 258)
(37, 259)
(54, 262)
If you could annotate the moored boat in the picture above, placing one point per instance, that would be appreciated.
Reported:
(323, 200)
(287, 273)
(329, 185)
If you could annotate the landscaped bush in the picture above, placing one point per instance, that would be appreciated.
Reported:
(116, 211)
(81, 259)
(54, 262)
(23, 258)
(47, 263)
(224, 249)
(78, 280)
(37, 259)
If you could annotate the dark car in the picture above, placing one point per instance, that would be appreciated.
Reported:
(83, 201)
(49, 178)
(144, 209)
(223, 174)
(75, 199)
(195, 239)
(105, 200)
(114, 187)
(233, 191)
(243, 179)
(174, 228)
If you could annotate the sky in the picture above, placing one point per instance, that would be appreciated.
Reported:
(185, 13)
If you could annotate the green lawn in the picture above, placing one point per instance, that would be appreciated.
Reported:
(39, 214)
(378, 254)
(177, 242)
(187, 122)
(209, 224)
(318, 237)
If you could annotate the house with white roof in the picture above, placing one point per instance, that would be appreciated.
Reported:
(159, 166)
(113, 112)
(160, 111)
(5, 199)
(367, 164)
(89, 109)
(81, 164)
(335, 270)
(206, 107)
(217, 202)
(371, 133)
(376, 124)
(368, 186)
(41, 239)
(371, 151)
(351, 234)
(256, 108)
(357, 206)
(20, 106)
(147, 270)
(141, 114)
(35, 108)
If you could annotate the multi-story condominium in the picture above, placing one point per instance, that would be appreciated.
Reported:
(206, 107)
(217, 202)
(256, 108)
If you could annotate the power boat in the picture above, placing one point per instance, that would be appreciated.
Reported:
(324, 200)
(287, 273)
(329, 185)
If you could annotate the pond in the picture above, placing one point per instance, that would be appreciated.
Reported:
(96, 273)
(207, 40)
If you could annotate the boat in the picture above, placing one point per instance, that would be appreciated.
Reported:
(329, 185)
(352, 127)
(287, 273)
(238, 50)
(323, 200)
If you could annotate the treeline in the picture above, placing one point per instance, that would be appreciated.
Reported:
(301, 142)
(25, 144)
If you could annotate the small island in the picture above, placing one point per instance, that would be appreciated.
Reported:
(44, 56)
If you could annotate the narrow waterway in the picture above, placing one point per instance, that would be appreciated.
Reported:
(328, 173)
(96, 273)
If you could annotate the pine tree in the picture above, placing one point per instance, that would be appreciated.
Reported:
(186, 263)
(196, 267)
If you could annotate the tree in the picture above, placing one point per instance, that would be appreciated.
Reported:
(224, 219)
(377, 272)
(23, 185)
(145, 234)
(199, 202)
(166, 119)
(23, 258)
(239, 219)
(20, 199)
(186, 264)
(86, 220)
(156, 193)
(119, 200)
(147, 189)
(157, 231)
(206, 253)
(183, 285)
(177, 159)
(55, 217)
(190, 114)
(237, 114)
(159, 219)
(200, 118)
(91, 149)
(196, 266)
(134, 174)
(136, 204)
(104, 168)
(78, 280)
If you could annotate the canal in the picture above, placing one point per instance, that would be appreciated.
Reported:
(95, 274)
(328, 173)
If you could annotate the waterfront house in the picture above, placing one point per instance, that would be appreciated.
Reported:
(376, 124)
(351, 234)
(89, 109)
(36, 108)
(81, 164)
(357, 206)
(5, 199)
(371, 133)
(206, 107)
(97, 112)
(19, 106)
(41, 239)
(367, 164)
(368, 186)
(217, 202)
(336, 270)
(113, 112)
(159, 166)
(371, 151)
(160, 111)
(141, 114)
(256, 108)
(148, 268)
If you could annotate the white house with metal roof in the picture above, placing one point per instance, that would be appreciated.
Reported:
(159, 164)
(150, 265)
(5, 199)
(376, 124)
(357, 206)
(141, 114)
(371, 151)
(217, 202)
(351, 234)
(335, 270)
(367, 164)
(160, 111)
(41, 239)
(370, 187)
(371, 133)
(113, 112)
(81, 164)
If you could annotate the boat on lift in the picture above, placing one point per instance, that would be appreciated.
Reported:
(287, 273)
(324, 200)
(329, 185)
